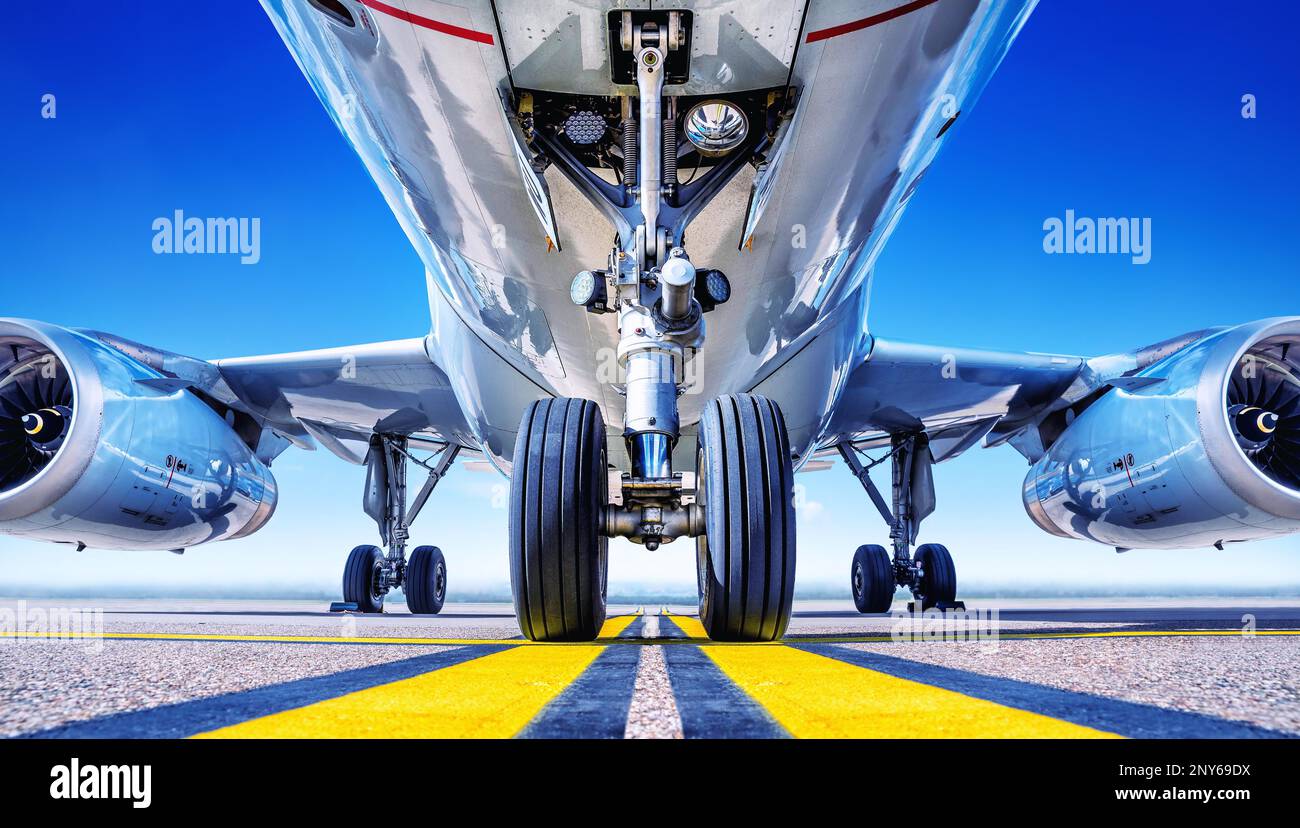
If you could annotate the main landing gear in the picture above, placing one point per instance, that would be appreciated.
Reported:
(929, 574)
(370, 574)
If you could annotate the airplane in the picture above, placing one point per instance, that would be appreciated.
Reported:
(649, 231)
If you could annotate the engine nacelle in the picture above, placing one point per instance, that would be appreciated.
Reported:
(1208, 453)
(98, 449)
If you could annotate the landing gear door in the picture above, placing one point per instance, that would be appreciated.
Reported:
(923, 497)
(766, 179)
(374, 500)
(539, 195)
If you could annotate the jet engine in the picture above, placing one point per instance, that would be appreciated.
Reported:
(97, 449)
(1200, 448)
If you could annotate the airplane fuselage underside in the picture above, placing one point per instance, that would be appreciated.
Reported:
(428, 95)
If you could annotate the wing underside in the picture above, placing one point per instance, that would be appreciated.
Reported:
(961, 397)
(341, 397)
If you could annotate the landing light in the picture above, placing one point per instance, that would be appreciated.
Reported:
(584, 127)
(712, 288)
(588, 290)
(716, 127)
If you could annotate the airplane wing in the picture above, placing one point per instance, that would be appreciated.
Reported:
(341, 396)
(334, 397)
(960, 396)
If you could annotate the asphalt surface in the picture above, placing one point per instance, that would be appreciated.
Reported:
(240, 669)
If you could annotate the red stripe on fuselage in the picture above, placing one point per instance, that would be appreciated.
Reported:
(864, 23)
(437, 26)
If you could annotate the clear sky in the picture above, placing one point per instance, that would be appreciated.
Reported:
(1107, 108)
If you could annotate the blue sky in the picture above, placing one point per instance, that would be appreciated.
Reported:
(1106, 108)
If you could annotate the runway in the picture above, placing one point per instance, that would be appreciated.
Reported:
(1016, 669)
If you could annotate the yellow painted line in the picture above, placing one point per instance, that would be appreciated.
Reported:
(691, 626)
(492, 697)
(613, 626)
(813, 696)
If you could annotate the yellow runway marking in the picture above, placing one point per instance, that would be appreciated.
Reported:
(613, 626)
(492, 697)
(691, 626)
(817, 697)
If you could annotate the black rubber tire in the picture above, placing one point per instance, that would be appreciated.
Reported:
(939, 575)
(872, 579)
(558, 491)
(426, 581)
(359, 579)
(745, 485)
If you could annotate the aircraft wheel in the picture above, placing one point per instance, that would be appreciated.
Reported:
(426, 581)
(744, 484)
(873, 579)
(361, 584)
(939, 576)
(558, 490)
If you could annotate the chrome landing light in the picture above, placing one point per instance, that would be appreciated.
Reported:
(716, 127)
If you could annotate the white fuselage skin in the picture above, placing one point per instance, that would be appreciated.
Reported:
(422, 104)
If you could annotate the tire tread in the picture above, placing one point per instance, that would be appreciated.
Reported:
(745, 454)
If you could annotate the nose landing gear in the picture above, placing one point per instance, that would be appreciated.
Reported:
(565, 501)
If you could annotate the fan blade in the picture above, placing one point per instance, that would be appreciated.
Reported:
(47, 393)
(36, 458)
(1237, 391)
(24, 394)
(14, 410)
(8, 479)
(14, 471)
(1277, 394)
(1286, 472)
(1260, 388)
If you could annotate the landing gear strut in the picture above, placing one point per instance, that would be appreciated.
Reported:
(929, 574)
(369, 574)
